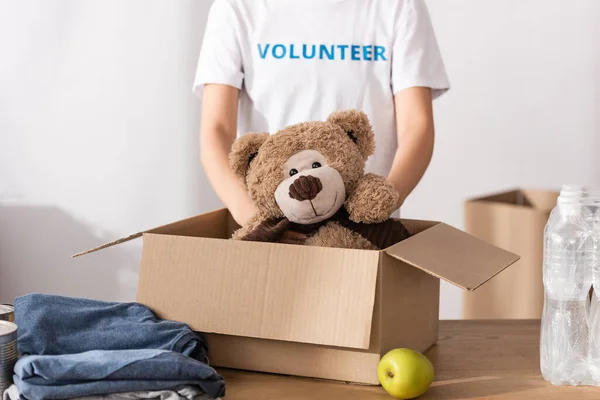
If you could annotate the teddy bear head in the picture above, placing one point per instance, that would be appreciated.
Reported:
(306, 171)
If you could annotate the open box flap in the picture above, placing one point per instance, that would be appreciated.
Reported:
(532, 199)
(453, 255)
(212, 224)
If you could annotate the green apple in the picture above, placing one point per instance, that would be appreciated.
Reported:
(405, 373)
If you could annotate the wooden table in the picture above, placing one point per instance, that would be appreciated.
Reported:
(472, 360)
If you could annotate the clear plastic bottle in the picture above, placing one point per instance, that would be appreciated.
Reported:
(567, 278)
(592, 216)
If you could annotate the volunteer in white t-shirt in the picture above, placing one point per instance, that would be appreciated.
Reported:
(266, 64)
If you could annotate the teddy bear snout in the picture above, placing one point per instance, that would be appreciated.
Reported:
(306, 187)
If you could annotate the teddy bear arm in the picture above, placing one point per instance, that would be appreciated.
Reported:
(263, 230)
(255, 221)
(373, 200)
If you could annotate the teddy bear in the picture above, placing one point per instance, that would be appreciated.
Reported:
(310, 178)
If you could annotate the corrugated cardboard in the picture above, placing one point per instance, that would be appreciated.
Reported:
(513, 220)
(308, 311)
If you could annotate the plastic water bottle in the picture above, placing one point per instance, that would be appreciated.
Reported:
(567, 278)
(592, 216)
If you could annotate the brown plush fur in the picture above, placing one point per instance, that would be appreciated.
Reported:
(335, 235)
(356, 124)
(373, 200)
(346, 140)
(242, 151)
(263, 174)
(247, 228)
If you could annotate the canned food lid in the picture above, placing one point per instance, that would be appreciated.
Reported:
(8, 332)
(6, 308)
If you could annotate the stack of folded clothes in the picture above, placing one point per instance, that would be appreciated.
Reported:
(75, 348)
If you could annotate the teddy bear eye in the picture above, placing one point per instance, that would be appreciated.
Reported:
(316, 165)
(293, 171)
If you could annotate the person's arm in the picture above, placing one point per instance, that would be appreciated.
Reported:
(218, 131)
(217, 134)
(415, 129)
(418, 77)
(219, 78)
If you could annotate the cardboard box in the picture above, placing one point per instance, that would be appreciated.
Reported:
(513, 220)
(307, 311)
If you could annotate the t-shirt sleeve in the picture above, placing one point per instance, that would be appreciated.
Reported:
(416, 57)
(220, 58)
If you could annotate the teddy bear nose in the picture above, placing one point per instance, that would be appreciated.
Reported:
(305, 188)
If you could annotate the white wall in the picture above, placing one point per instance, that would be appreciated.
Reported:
(98, 126)
(98, 130)
(524, 109)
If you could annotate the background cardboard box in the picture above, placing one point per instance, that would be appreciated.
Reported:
(309, 311)
(514, 220)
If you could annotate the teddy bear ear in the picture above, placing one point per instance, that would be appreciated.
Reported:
(244, 150)
(358, 128)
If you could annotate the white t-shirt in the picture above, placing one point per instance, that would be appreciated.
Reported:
(299, 60)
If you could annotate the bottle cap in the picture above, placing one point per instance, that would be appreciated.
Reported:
(572, 188)
(569, 199)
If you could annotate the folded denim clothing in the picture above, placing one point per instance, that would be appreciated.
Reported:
(55, 325)
(79, 347)
(103, 372)
(179, 393)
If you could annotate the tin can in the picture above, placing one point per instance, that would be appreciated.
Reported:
(7, 312)
(8, 353)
